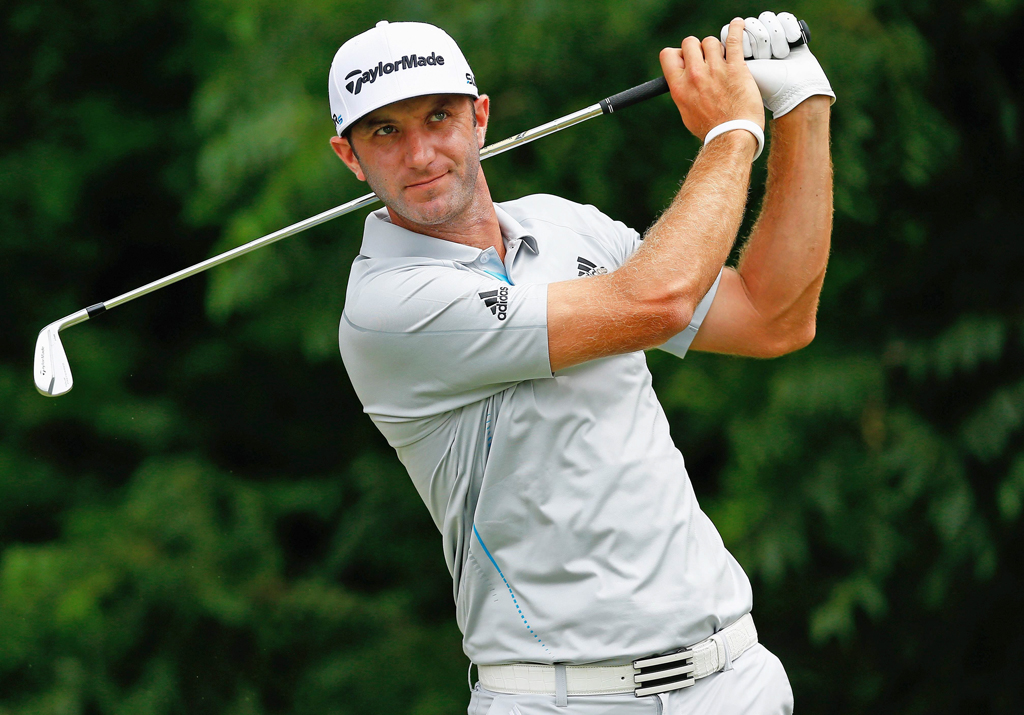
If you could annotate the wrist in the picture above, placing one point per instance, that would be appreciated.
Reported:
(817, 107)
(739, 134)
(739, 142)
(808, 122)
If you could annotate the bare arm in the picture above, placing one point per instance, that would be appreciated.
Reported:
(652, 296)
(767, 306)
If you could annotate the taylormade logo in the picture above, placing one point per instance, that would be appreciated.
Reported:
(496, 301)
(360, 77)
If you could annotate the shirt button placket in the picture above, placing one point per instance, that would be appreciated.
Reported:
(510, 258)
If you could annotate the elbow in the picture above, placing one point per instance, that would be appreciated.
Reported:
(674, 316)
(657, 314)
(791, 339)
(802, 337)
(661, 322)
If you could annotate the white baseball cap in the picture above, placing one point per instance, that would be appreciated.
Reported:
(392, 62)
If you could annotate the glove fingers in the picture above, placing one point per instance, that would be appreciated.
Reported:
(748, 51)
(790, 26)
(780, 47)
(760, 40)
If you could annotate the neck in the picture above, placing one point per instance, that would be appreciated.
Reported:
(476, 226)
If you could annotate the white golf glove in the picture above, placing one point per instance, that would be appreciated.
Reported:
(785, 75)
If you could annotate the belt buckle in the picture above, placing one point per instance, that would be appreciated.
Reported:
(663, 673)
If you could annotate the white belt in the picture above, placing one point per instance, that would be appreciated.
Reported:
(646, 676)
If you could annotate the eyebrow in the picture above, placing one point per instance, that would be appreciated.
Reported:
(373, 122)
(376, 122)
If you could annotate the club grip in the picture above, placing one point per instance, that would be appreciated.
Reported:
(658, 86)
(805, 34)
(634, 95)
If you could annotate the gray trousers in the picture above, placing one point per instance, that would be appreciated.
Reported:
(756, 685)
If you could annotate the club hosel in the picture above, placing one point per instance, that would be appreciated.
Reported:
(75, 318)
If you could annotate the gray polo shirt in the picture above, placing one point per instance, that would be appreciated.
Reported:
(569, 523)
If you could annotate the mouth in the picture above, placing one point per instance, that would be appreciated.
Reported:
(427, 183)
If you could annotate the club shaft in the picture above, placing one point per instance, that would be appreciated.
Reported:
(295, 228)
(605, 106)
(354, 205)
(542, 131)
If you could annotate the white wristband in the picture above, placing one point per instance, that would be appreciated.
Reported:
(739, 124)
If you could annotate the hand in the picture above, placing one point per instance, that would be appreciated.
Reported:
(785, 75)
(710, 89)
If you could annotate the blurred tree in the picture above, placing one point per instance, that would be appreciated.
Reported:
(208, 523)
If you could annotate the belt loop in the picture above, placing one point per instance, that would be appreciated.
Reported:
(561, 689)
(724, 657)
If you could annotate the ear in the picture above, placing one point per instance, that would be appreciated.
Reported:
(482, 108)
(344, 151)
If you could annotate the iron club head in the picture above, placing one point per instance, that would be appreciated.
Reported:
(50, 365)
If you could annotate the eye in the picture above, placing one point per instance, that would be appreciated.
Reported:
(385, 130)
(439, 115)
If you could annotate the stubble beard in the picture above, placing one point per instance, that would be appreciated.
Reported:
(458, 199)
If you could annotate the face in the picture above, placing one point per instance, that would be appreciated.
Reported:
(421, 156)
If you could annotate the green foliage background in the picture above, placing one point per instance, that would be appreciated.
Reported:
(209, 524)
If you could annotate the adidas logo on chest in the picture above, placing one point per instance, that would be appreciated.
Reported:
(496, 301)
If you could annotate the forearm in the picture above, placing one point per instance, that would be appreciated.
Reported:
(652, 296)
(783, 264)
(685, 249)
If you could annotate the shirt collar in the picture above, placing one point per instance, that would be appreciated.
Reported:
(383, 239)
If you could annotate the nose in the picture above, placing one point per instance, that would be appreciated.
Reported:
(419, 150)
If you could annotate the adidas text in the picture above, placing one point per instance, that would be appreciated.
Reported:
(359, 77)
(496, 301)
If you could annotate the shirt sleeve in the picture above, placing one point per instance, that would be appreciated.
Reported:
(623, 240)
(680, 342)
(422, 340)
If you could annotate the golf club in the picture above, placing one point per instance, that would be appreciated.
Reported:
(50, 364)
(50, 367)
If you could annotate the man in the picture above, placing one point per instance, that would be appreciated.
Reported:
(499, 350)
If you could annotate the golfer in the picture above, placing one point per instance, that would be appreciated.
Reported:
(499, 349)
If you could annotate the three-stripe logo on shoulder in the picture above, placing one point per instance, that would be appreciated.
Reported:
(589, 268)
